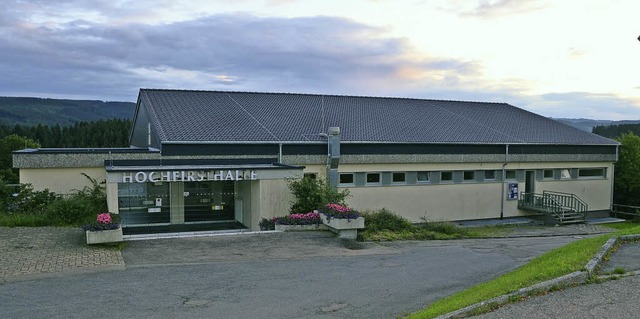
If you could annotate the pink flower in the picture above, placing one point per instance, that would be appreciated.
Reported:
(104, 218)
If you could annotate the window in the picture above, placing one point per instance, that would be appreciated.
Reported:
(548, 174)
(373, 178)
(489, 175)
(311, 175)
(446, 176)
(510, 174)
(565, 174)
(591, 173)
(469, 176)
(346, 178)
(398, 177)
(423, 177)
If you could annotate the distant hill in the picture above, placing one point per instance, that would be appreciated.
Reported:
(33, 111)
(588, 124)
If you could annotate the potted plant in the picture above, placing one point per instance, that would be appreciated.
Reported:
(105, 228)
(295, 222)
(342, 220)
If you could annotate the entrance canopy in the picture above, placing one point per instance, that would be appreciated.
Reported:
(152, 171)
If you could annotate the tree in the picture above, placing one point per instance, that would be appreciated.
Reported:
(627, 173)
(8, 144)
(311, 194)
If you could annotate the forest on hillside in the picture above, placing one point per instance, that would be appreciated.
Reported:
(103, 133)
(33, 111)
(615, 131)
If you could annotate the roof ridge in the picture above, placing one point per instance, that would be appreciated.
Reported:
(324, 95)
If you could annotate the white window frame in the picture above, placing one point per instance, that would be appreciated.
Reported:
(491, 178)
(423, 181)
(450, 180)
(470, 180)
(366, 179)
(602, 170)
(353, 179)
(404, 179)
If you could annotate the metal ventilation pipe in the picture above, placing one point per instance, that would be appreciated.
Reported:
(333, 159)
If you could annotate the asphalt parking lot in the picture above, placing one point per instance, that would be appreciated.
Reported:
(270, 275)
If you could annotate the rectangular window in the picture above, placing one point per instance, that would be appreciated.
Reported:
(373, 178)
(469, 176)
(510, 174)
(446, 176)
(346, 178)
(310, 175)
(489, 175)
(423, 177)
(591, 173)
(398, 177)
(548, 174)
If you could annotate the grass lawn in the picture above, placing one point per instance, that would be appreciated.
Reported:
(553, 264)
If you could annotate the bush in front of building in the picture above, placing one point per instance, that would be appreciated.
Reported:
(383, 225)
(28, 201)
(267, 224)
(33, 208)
(385, 219)
(70, 211)
(313, 193)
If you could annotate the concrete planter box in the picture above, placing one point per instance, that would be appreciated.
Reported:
(345, 228)
(104, 236)
(300, 227)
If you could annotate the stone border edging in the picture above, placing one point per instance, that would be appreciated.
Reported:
(574, 278)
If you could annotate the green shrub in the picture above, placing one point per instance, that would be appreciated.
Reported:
(386, 220)
(44, 208)
(267, 224)
(29, 201)
(448, 228)
(311, 194)
(71, 211)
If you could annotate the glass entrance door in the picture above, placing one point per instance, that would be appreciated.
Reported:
(209, 201)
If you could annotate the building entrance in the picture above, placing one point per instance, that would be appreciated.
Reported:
(161, 207)
(209, 201)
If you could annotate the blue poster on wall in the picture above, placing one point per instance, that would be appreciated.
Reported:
(513, 191)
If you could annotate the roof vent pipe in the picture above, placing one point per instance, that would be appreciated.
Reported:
(333, 159)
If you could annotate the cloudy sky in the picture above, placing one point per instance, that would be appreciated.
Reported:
(569, 58)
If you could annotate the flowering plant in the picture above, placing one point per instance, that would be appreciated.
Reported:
(339, 212)
(103, 221)
(309, 218)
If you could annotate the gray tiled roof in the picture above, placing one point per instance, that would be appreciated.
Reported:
(199, 116)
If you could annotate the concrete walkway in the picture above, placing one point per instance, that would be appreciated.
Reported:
(35, 252)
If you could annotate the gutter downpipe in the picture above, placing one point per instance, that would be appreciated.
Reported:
(280, 153)
(506, 161)
(613, 176)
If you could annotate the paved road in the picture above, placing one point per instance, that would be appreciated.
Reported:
(249, 277)
(609, 299)
(617, 299)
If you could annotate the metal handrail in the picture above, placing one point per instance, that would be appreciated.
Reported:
(569, 200)
(555, 203)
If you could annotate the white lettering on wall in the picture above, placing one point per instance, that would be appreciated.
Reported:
(127, 177)
(188, 176)
(141, 177)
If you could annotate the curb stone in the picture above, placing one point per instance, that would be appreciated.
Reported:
(572, 279)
